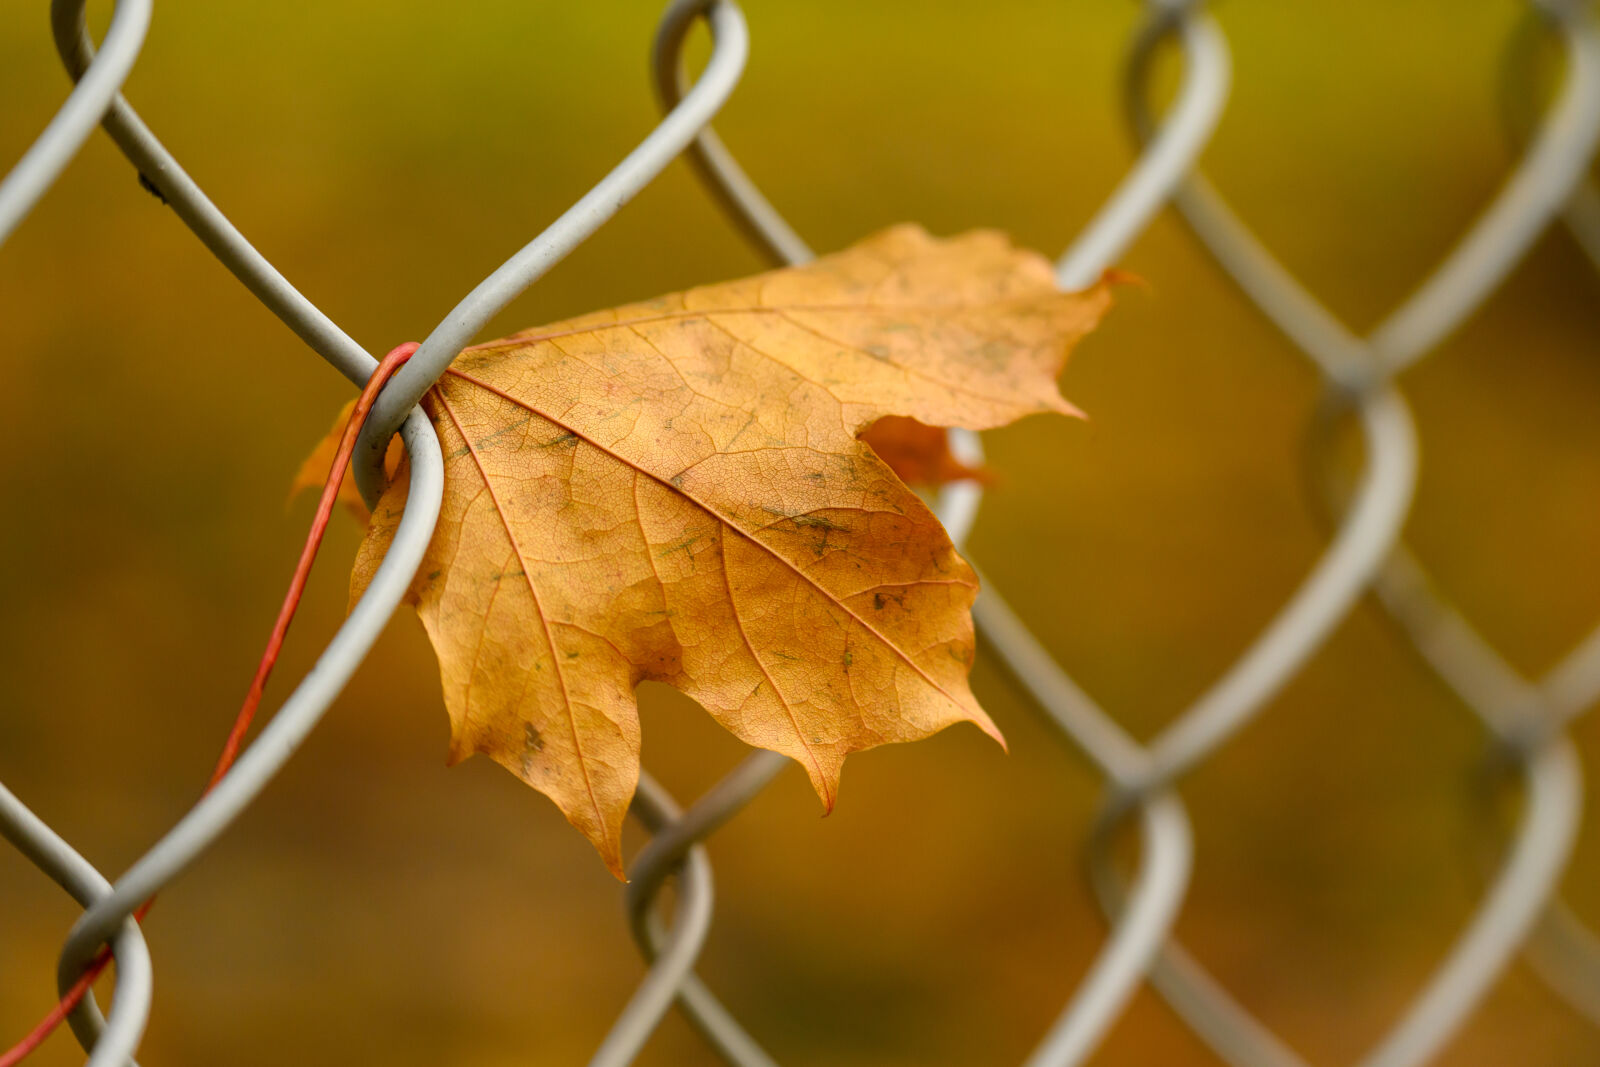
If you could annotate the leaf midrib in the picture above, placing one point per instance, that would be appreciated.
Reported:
(538, 606)
(798, 573)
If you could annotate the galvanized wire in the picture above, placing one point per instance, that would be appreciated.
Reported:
(1357, 370)
(44, 161)
(1121, 965)
(49, 852)
(1371, 528)
(676, 130)
(23, 186)
(1365, 550)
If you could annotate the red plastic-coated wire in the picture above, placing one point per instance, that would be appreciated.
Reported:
(252, 700)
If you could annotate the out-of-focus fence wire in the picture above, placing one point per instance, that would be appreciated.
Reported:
(1528, 718)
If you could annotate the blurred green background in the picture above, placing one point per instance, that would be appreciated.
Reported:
(377, 907)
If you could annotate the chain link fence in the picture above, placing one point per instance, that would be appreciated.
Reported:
(1530, 718)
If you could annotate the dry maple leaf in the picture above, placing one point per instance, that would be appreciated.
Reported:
(314, 471)
(676, 490)
(919, 454)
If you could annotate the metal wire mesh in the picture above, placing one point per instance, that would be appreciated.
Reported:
(1521, 910)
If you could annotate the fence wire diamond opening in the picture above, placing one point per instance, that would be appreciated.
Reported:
(1529, 721)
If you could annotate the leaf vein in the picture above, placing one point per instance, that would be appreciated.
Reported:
(538, 605)
(724, 521)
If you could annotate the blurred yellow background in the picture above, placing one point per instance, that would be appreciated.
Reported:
(377, 907)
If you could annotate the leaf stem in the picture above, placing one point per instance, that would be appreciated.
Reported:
(258, 684)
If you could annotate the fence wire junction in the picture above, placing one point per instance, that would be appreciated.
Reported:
(1521, 911)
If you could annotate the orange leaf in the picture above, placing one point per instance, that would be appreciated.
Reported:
(314, 471)
(919, 454)
(675, 490)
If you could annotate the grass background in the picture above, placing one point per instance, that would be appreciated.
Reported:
(376, 907)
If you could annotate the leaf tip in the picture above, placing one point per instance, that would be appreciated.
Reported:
(605, 834)
(1113, 276)
(824, 779)
(829, 793)
(611, 854)
(986, 724)
(1062, 406)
